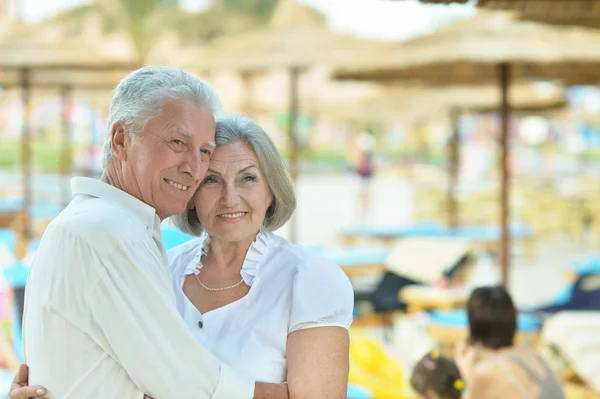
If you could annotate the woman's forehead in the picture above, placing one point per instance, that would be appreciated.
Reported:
(234, 156)
(234, 153)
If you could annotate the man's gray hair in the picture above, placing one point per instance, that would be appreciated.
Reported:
(140, 96)
(238, 128)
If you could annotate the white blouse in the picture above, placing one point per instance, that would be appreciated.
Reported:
(290, 290)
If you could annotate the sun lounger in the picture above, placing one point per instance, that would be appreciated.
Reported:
(575, 335)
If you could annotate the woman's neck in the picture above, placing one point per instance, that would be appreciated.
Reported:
(227, 256)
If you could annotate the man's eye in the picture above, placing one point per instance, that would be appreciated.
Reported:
(207, 152)
(177, 142)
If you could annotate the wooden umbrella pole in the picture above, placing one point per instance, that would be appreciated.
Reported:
(294, 146)
(505, 173)
(453, 165)
(26, 152)
(66, 164)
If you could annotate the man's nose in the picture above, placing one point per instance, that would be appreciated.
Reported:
(193, 166)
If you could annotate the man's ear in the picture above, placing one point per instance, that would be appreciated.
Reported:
(119, 141)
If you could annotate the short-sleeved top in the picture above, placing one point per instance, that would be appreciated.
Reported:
(289, 291)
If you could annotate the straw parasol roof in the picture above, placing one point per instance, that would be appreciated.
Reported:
(80, 79)
(406, 103)
(561, 12)
(469, 52)
(472, 99)
(23, 47)
(296, 36)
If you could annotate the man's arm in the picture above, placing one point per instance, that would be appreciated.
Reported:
(133, 309)
(19, 388)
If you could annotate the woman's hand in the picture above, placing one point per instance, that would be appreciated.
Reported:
(19, 388)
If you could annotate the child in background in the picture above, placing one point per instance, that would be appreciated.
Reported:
(437, 377)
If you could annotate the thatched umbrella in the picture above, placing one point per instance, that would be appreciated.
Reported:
(560, 12)
(492, 47)
(296, 37)
(27, 61)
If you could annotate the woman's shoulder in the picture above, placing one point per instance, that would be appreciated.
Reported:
(302, 261)
(181, 256)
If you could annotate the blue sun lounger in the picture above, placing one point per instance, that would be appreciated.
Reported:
(429, 230)
(458, 319)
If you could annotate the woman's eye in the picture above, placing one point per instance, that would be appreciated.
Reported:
(249, 178)
(209, 180)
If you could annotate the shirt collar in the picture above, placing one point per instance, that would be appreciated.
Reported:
(99, 189)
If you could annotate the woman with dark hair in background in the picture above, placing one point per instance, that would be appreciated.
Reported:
(490, 362)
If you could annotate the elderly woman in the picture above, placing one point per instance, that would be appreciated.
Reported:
(260, 304)
(492, 365)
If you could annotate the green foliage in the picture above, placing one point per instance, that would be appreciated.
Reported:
(261, 9)
(45, 156)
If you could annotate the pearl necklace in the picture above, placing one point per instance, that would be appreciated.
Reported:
(218, 289)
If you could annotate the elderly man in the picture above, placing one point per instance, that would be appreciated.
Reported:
(100, 319)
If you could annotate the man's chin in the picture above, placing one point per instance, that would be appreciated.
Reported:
(170, 211)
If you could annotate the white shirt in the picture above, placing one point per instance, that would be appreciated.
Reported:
(290, 291)
(100, 319)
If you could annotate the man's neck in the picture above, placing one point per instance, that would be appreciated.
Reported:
(111, 176)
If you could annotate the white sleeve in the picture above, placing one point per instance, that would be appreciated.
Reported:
(133, 305)
(322, 296)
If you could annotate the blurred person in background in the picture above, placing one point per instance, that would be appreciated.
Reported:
(491, 364)
(258, 303)
(361, 157)
(437, 377)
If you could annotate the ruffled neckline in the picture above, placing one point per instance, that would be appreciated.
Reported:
(252, 263)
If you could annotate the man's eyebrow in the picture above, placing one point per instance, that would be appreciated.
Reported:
(189, 136)
(183, 133)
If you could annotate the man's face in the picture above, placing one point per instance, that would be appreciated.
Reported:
(164, 164)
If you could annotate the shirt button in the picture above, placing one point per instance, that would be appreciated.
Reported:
(200, 324)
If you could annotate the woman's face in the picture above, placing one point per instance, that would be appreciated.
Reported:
(234, 196)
